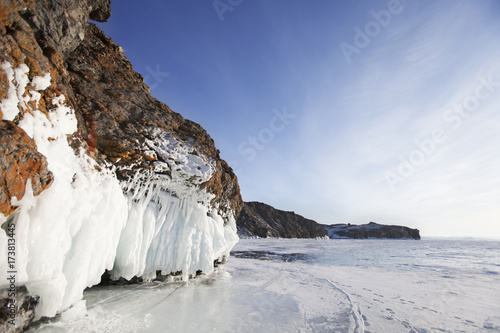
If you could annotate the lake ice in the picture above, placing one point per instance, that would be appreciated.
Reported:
(291, 285)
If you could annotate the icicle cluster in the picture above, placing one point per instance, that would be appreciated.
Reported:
(87, 222)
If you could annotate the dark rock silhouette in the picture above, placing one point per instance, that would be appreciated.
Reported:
(371, 230)
(259, 219)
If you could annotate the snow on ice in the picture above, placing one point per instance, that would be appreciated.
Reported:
(293, 285)
(87, 222)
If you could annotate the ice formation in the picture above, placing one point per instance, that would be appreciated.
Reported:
(87, 221)
(171, 226)
(170, 233)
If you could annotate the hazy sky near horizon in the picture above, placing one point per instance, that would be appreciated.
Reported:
(342, 111)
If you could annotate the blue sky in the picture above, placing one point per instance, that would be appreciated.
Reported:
(342, 111)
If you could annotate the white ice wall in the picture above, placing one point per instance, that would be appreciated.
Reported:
(86, 221)
(170, 233)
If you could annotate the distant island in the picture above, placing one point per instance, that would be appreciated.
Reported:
(262, 220)
(371, 230)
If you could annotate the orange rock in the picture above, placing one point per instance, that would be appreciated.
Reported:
(19, 161)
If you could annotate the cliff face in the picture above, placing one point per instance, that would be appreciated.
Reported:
(120, 120)
(117, 116)
(95, 173)
(371, 230)
(262, 220)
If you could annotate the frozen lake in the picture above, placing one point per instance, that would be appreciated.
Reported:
(282, 285)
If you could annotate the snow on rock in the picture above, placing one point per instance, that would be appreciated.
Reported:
(87, 222)
(180, 159)
(17, 83)
(18, 80)
(41, 82)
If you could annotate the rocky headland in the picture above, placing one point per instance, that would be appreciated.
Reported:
(371, 230)
(259, 219)
(262, 220)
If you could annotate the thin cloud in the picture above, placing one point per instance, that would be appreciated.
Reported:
(356, 136)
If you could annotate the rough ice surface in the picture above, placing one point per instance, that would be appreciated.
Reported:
(87, 221)
(293, 285)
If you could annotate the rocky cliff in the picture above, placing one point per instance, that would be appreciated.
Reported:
(95, 173)
(259, 219)
(371, 230)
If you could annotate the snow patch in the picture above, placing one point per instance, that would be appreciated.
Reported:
(10, 104)
(16, 97)
(41, 82)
